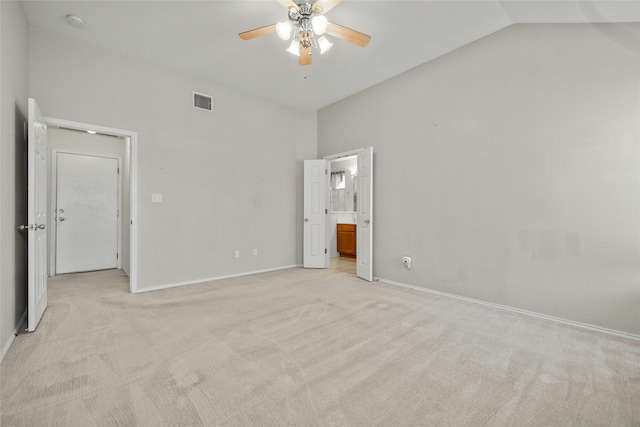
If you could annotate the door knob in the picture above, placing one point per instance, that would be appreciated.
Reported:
(61, 210)
(306, 220)
(23, 227)
(366, 221)
(41, 226)
(61, 218)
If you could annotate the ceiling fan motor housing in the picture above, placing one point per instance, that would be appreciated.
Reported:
(302, 16)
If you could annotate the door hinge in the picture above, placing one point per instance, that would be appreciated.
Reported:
(326, 172)
(118, 214)
(325, 250)
(325, 211)
(117, 255)
(118, 171)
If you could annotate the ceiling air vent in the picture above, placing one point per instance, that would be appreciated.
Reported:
(202, 102)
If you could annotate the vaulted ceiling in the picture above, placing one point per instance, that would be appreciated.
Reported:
(200, 38)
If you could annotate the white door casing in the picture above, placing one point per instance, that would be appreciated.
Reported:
(37, 216)
(364, 229)
(314, 247)
(87, 212)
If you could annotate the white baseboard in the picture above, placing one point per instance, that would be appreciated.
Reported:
(12, 338)
(516, 310)
(211, 279)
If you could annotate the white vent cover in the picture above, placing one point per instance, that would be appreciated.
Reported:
(202, 101)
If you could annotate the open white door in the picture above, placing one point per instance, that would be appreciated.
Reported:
(364, 230)
(37, 215)
(314, 248)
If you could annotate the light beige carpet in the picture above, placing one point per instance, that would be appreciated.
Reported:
(308, 348)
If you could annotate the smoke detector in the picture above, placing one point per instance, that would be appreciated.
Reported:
(75, 21)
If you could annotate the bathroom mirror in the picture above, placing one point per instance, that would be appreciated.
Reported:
(344, 193)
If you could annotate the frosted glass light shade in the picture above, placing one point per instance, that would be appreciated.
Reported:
(284, 30)
(324, 44)
(319, 24)
(294, 48)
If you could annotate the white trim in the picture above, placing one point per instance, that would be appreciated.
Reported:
(133, 184)
(343, 154)
(212, 279)
(54, 202)
(12, 338)
(515, 310)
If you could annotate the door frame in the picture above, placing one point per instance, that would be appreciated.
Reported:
(133, 184)
(54, 203)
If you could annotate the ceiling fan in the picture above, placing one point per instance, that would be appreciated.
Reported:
(308, 25)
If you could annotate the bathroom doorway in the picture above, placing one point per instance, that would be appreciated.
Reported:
(349, 219)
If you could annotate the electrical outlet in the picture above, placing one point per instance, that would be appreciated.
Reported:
(255, 252)
(406, 260)
(237, 253)
(156, 198)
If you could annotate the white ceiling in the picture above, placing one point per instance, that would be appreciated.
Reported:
(200, 38)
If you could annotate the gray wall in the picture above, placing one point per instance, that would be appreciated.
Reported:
(14, 90)
(509, 171)
(228, 177)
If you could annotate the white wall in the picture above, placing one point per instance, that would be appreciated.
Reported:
(14, 90)
(227, 177)
(509, 171)
(96, 145)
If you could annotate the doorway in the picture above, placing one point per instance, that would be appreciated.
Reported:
(318, 225)
(99, 141)
(342, 220)
(86, 201)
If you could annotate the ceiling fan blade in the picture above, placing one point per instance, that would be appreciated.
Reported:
(305, 56)
(348, 35)
(252, 34)
(287, 4)
(324, 6)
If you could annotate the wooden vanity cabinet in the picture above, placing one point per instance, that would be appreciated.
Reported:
(347, 240)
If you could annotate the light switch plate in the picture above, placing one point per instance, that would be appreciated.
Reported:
(156, 198)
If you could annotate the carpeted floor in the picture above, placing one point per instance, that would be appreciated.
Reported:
(308, 348)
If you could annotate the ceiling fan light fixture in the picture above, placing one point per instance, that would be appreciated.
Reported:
(320, 24)
(294, 48)
(306, 27)
(324, 44)
(284, 29)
